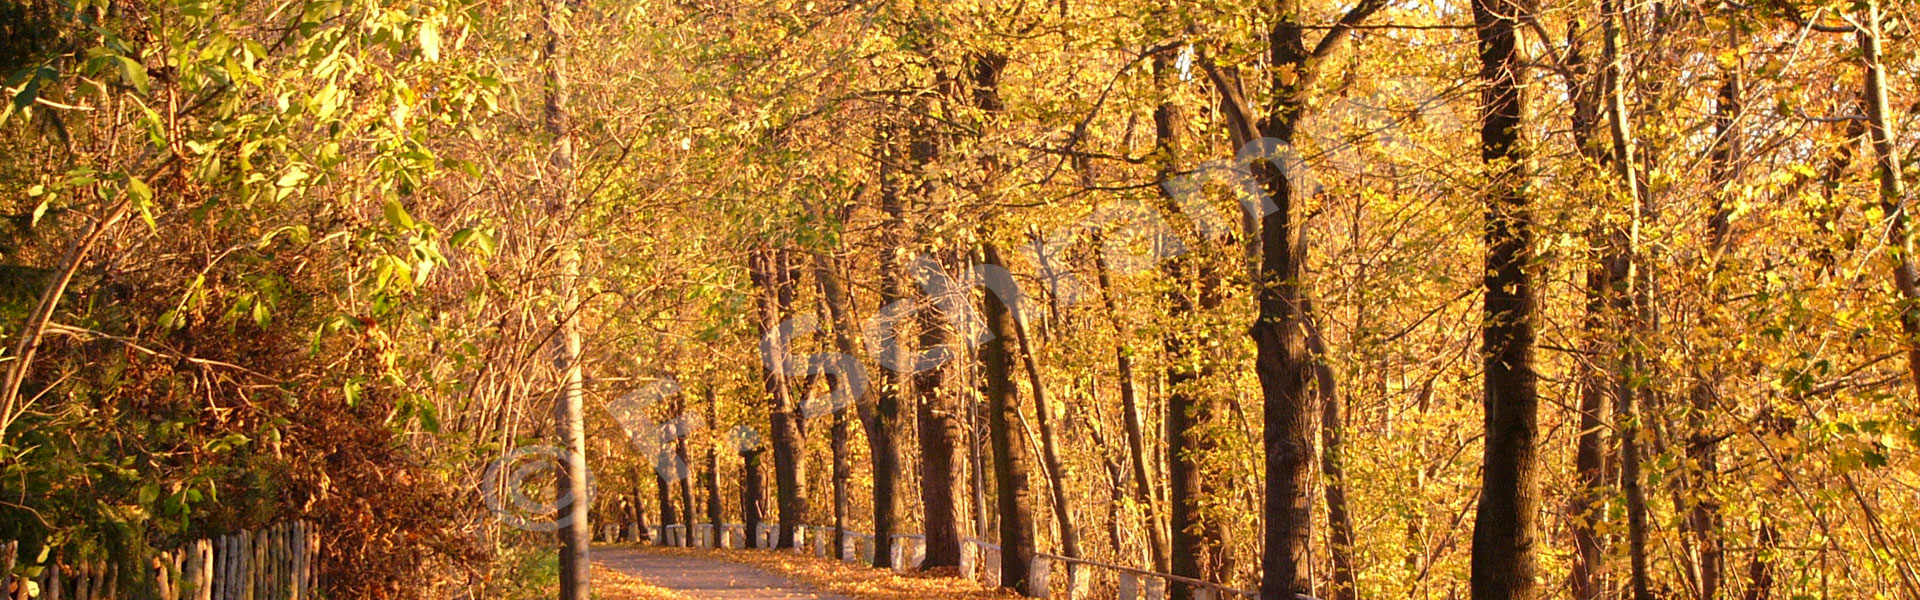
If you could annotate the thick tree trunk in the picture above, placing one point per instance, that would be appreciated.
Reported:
(941, 467)
(1503, 564)
(1282, 359)
(576, 530)
(1196, 545)
(1012, 459)
(753, 494)
(773, 274)
(882, 419)
(1130, 407)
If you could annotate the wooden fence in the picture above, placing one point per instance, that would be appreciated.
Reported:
(1079, 579)
(276, 563)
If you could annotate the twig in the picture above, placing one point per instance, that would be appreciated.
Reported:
(133, 344)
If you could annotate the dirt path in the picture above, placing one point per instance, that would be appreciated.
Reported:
(705, 579)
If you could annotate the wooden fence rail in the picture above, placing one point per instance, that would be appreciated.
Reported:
(275, 563)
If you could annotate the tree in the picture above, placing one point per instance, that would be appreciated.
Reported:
(1130, 411)
(1012, 458)
(576, 534)
(774, 274)
(942, 469)
(1283, 360)
(716, 508)
(882, 416)
(1893, 187)
(1504, 530)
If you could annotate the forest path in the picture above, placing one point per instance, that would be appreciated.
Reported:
(704, 578)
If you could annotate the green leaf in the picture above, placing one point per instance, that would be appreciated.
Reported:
(397, 215)
(478, 239)
(133, 72)
(28, 93)
(138, 191)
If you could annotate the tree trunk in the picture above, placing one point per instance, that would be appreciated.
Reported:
(663, 490)
(1192, 541)
(1282, 360)
(839, 312)
(1196, 546)
(882, 418)
(842, 474)
(1049, 446)
(943, 472)
(753, 494)
(1893, 189)
(772, 272)
(1605, 275)
(1340, 535)
(639, 504)
(941, 469)
(576, 535)
(1130, 406)
(716, 509)
(1703, 519)
(1011, 457)
(1504, 532)
(683, 467)
(1632, 391)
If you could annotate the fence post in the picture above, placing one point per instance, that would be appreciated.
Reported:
(204, 562)
(1040, 577)
(300, 560)
(217, 579)
(1079, 580)
(970, 560)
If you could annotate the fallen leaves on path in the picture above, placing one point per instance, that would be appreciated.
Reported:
(852, 579)
(609, 584)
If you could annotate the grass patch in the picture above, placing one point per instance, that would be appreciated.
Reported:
(852, 579)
